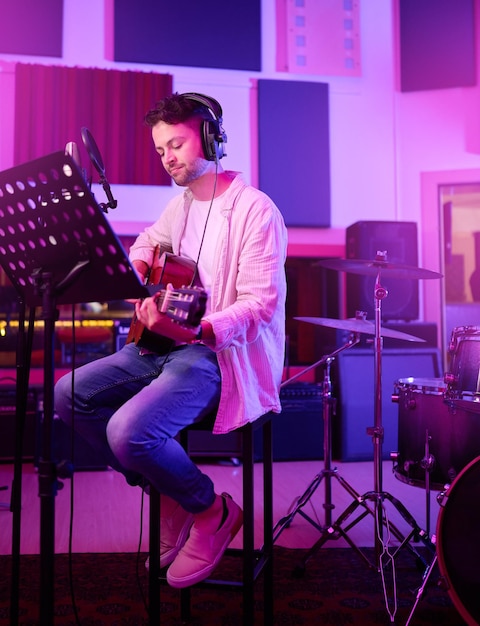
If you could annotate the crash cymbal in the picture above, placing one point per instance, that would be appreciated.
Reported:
(372, 268)
(355, 325)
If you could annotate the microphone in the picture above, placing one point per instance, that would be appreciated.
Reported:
(96, 158)
(72, 150)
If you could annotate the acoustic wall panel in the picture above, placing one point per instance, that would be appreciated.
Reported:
(211, 33)
(436, 44)
(294, 149)
(31, 27)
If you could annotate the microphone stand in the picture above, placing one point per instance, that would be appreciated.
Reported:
(97, 161)
(23, 352)
(112, 203)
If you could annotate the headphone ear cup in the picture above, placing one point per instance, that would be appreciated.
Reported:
(212, 140)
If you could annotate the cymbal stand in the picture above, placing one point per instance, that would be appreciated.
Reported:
(377, 497)
(327, 473)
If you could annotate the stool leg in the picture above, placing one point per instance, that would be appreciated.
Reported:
(154, 559)
(268, 521)
(248, 527)
(185, 595)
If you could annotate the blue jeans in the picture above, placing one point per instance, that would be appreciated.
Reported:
(130, 407)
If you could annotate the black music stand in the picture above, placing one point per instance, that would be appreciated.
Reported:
(57, 247)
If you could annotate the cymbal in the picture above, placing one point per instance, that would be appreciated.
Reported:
(355, 325)
(368, 268)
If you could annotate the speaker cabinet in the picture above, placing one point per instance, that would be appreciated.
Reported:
(297, 431)
(399, 241)
(354, 388)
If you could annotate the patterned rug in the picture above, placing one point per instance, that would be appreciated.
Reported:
(337, 588)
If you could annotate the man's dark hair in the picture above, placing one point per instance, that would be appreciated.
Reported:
(176, 109)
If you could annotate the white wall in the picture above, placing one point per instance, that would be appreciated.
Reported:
(381, 139)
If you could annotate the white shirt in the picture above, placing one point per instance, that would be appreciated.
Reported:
(203, 226)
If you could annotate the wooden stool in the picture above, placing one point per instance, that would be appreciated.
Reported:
(254, 561)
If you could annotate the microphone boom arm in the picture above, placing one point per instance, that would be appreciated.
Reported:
(112, 203)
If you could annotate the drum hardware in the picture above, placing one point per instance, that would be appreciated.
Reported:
(463, 379)
(379, 265)
(355, 326)
(358, 325)
(427, 464)
(327, 473)
(457, 546)
(373, 502)
(421, 590)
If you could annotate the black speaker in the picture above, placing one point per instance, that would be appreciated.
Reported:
(212, 134)
(399, 241)
(354, 388)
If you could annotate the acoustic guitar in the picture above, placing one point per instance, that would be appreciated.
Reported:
(183, 304)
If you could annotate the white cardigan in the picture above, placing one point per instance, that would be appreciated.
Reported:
(247, 296)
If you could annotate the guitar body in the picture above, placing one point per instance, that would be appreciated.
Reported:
(177, 271)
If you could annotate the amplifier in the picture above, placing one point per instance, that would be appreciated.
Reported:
(354, 384)
(297, 431)
(121, 330)
(8, 423)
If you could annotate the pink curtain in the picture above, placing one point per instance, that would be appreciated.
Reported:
(52, 104)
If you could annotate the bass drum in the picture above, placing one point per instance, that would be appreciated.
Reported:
(458, 542)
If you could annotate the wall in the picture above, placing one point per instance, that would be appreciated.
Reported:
(381, 139)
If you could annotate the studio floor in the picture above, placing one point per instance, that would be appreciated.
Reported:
(101, 513)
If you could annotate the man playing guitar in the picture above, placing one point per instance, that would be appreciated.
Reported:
(223, 357)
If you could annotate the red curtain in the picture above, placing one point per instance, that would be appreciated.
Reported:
(53, 103)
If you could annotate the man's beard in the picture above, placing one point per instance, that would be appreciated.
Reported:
(191, 173)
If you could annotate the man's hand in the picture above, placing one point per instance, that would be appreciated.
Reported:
(148, 314)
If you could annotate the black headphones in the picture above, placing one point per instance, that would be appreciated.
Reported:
(212, 134)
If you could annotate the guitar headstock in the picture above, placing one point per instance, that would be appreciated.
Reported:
(186, 305)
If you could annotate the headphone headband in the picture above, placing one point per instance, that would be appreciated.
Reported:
(208, 102)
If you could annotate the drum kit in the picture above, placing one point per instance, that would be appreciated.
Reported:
(421, 461)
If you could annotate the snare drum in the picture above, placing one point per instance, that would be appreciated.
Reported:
(463, 378)
(458, 544)
(427, 418)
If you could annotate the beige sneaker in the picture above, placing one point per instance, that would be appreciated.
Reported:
(175, 525)
(208, 540)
